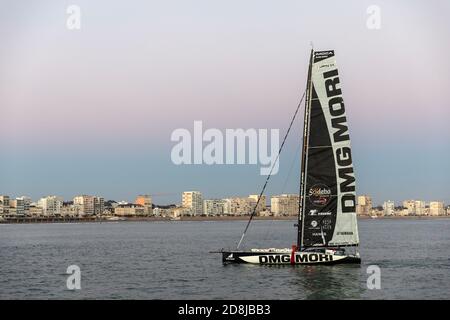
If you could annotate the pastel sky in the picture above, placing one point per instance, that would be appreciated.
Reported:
(92, 110)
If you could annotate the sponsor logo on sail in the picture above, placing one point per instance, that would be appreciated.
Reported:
(343, 155)
(319, 195)
(315, 212)
(319, 234)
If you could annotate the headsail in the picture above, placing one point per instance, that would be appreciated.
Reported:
(328, 216)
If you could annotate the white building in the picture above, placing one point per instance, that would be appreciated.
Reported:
(388, 208)
(20, 206)
(261, 204)
(193, 201)
(165, 211)
(285, 205)
(364, 205)
(214, 207)
(36, 211)
(84, 205)
(50, 205)
(24, 203)
(99, 205)
(4, 205)
(415, 207)
(239, 206)
(420, 208)
(410, 205)
(226, 206)
(179, 212)
(129, 210)
(437, 208)
(69, 210)
(89, 205)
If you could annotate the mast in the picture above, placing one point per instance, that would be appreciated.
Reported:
(301, 210)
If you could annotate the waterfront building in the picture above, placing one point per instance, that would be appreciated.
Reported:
(99, 205)
(4, 205)
(437, 208)
(214, 207)
(13, 210)
(239, 206)
(401, 212)
(226, 206)
(378, 211)
(84, 205)
(415, 207)
(23, 205)
(265, 213)
(158, 212)
(193, 201)
(129, 210)
(364, 205)
(180, 212)
(262, 203)
(36, 211)
(87, 205)
(285, 204)
(51, 205)
(19, 206)
(419, 207)
(69, 210)
(146, 202)
(16, 208)
(164, 211)
(410, 206)
(388, 208)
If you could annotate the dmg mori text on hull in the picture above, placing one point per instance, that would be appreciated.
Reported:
(298, 258)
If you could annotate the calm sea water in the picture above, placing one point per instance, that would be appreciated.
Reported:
(170, 260)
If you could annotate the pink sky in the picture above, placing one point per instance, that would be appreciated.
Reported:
(132, 75)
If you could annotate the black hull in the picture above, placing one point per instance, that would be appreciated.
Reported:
(284, 258)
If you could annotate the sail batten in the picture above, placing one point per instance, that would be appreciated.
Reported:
(328, 216)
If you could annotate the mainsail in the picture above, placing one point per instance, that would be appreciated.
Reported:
(328, 208)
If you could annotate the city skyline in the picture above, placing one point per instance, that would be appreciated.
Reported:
(141, 199)
(94, 109)
(193, 204)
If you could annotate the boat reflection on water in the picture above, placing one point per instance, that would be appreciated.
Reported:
(343, 281)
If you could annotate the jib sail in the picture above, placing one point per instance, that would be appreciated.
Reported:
(328, 216)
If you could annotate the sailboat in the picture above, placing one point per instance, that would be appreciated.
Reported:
(327, 231)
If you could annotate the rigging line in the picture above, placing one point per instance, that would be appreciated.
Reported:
(271, 169)
(294, 160)
(297, 152)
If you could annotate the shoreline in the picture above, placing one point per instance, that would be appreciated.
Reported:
(202, 218)
(403, 217)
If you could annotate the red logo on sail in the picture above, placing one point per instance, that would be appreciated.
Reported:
(319, 195)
